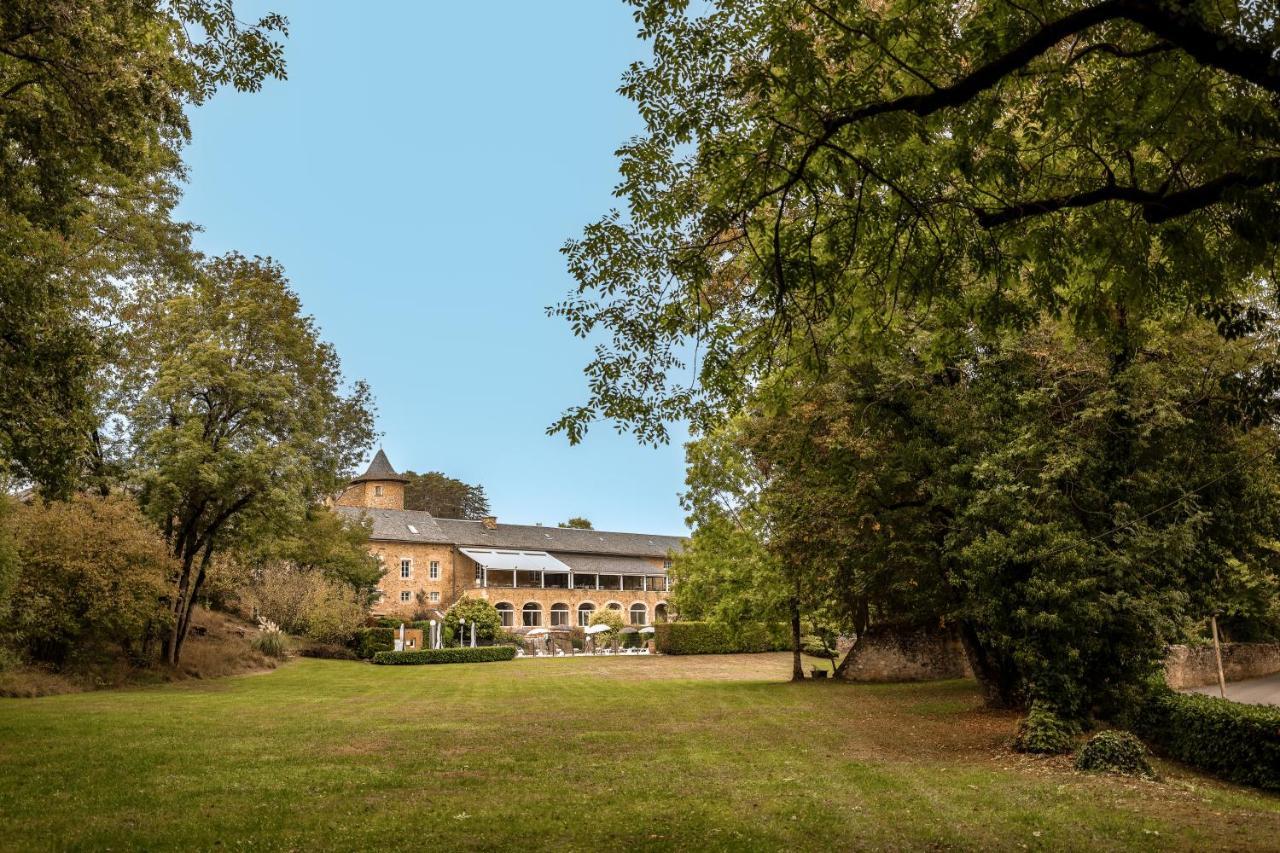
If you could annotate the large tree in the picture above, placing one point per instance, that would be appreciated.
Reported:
(93, 99)
(234, 414)
(444, 496)
(810, 169)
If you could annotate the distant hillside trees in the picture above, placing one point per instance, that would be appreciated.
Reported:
(444, 496)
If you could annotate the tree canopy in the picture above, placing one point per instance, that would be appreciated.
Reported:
(235, 420)
(444, 496)
(811, 170)
(93, 99)
(578, 523)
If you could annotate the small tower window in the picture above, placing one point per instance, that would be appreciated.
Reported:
(377, 491)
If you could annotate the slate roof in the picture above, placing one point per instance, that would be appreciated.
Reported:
(394, 525)
(609, 564)
(380, 469)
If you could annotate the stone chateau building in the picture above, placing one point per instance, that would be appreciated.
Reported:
(537, 577)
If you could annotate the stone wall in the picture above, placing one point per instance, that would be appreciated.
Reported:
(894, 653)
(1194, 666)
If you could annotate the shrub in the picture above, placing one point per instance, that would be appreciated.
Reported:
(269, 640)
(1240, 743)
(306, 601)
(717, 638)
(92, 573)
(482, 613)
(369, 641)
(1043, 731)
(480, 654)
(1115, 752)
(327, 651)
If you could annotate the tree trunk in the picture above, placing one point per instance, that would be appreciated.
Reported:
(797, 666)
(998, 681)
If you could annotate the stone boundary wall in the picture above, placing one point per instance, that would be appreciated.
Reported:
(1194, 666)
(893, 653)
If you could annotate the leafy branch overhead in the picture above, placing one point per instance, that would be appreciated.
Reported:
(811, 169)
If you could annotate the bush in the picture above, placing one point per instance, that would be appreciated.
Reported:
(480, 654)
(327, 651)
(306, 601)
(1115, 752)
(270, 643)
(1044, 732)
(367, 642)
(716, 638)
(474, 610)
(1240, 743)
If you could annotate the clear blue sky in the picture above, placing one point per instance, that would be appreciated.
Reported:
(416, 175)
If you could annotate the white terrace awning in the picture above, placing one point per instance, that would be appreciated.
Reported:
(507, 560)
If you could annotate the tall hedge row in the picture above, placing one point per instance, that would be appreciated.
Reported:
(715, 638)
(465, 654)
(1237, 742)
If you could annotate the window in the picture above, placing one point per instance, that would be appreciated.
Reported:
(559, 615)
(532, 615)
(406, 596)
(377, 491)
(666, 564)
(507, 614)
(434, 570)
(479, 575)
(435, 596)
(406, 568)
(660, 612)
(639, 614)
(585, 609)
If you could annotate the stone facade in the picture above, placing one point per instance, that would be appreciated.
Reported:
(385, 495)
(423, 578)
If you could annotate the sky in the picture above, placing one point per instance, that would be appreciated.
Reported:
(417, 175)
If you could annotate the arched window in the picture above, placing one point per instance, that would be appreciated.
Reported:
(532, 615)
(506, 613)
(639, 614)
(585, 610)
(660, 612)
(559, 615)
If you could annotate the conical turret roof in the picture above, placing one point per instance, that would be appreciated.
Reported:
(380, 469)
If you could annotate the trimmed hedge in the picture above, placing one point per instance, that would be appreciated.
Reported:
(480, 654)
(715, 638)
(1238, 742)
(367, 642)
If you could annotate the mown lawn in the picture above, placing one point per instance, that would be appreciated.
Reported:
(666, 753)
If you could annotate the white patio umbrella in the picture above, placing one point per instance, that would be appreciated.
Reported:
(537, 632)
(647, 629)
(597, 629)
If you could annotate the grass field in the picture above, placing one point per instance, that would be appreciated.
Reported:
(585, 754)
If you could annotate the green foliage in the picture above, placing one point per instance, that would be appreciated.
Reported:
(9, 566)
(807, 171)
(475, 610)
(271, 643)
(1235, 741)
(613, 619)
(444, 497)
(92, 573)
(92, 124)
(480, 654)
(325, 542)
(1115, 752)
(718, 638)
(577, 523)
(237, 420)
(1044, 732)
(305, 601)
(367, 642)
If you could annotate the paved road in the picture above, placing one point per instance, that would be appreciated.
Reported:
(1255, 691)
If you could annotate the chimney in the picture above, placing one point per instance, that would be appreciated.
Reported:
(490, 522)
